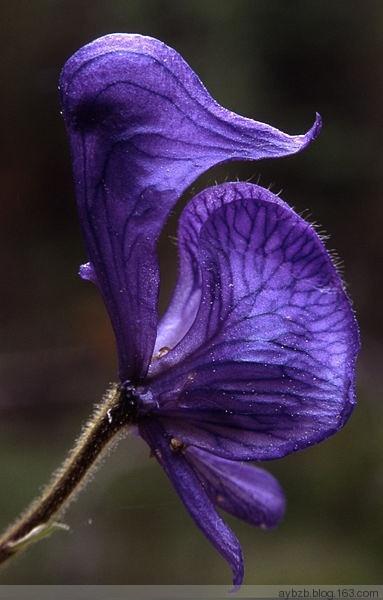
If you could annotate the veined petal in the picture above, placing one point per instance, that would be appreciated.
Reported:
(245, 491)
(142, 128)
(193, 495)
(267, 366)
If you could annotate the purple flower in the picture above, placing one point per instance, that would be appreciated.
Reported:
(255, 355)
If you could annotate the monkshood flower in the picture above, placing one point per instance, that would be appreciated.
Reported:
(255, 356)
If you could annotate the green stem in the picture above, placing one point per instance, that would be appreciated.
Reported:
(39, 520)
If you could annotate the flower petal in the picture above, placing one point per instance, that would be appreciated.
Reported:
(142, 128)
(268, 364)
(87, 273)
(243, 490)
(194, 497)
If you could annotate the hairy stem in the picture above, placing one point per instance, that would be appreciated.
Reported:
(111, 417)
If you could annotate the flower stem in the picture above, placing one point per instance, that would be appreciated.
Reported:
(112, 416)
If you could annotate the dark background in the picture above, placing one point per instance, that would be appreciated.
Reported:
(272, 60)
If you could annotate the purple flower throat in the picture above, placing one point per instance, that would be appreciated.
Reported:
(255, 355)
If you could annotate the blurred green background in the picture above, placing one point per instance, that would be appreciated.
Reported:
(272, 60)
